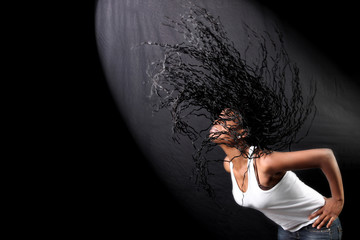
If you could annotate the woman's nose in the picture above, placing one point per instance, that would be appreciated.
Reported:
(217, 122)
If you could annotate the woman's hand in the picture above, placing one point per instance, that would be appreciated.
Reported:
(328, 213)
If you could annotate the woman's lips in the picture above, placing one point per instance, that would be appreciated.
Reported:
(214, 130)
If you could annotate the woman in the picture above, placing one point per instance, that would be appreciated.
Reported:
(267, 184)
(262, 111)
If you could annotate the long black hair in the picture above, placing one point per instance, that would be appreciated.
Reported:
(205, 74)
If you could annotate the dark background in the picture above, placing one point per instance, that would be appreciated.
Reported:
(328, 25)
(96, 199)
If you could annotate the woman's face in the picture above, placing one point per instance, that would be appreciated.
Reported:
(227, 128)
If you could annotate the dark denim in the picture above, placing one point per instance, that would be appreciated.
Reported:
(309, 233)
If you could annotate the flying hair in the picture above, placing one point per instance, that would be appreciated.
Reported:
(206, 76)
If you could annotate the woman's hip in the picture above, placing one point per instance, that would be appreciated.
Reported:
(309, 233)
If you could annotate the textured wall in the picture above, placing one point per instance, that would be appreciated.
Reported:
(123, 24)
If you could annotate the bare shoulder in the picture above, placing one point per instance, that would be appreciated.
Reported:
(227, 164)
(266, 162)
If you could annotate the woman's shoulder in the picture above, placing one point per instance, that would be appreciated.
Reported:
(267, 163)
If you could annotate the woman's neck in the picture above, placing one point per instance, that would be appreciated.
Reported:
(234, 154)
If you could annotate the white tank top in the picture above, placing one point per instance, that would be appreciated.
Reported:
(289, 203)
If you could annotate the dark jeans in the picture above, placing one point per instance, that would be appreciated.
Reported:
(309, 233)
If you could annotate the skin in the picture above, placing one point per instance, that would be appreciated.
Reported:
(272, 167)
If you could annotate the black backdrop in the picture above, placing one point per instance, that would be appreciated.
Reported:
(109, 199)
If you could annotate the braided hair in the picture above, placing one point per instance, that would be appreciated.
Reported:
(205, 75)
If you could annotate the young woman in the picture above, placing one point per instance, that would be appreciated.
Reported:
(262, 110)
(267, 184)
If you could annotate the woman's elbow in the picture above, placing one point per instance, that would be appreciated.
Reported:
(328, 155)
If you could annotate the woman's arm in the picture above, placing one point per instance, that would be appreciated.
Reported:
(314, 158)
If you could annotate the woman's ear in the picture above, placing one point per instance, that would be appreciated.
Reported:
(242, 134)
